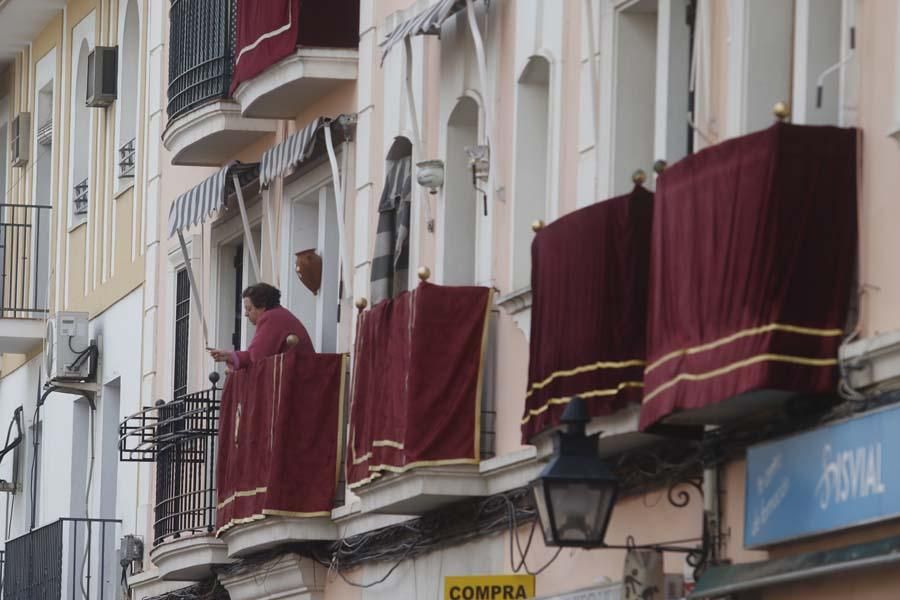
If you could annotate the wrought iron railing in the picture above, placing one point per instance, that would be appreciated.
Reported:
(24, 260)
(201, 52)
(81, 198)
(126, 159)
(186, 432)
(66, 560)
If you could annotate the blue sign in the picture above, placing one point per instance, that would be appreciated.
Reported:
(831, 478)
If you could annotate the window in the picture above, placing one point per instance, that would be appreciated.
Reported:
(81, 141)
(182, 333)
(233, 330)
(462, 203)
(818, 61)
(129, 84)
(651, 96)
(531, 191)
(312, 225)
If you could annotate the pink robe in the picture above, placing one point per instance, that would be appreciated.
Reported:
(272, 330)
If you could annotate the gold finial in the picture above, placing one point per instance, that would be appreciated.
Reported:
(537, 225)
(361, 303)
(639, 177)
(424, 273)
(659, 166)
(781, 110)
(292, 340)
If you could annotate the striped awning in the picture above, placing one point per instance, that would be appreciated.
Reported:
(297, 149)
(427, 22)
(201, 201)
(300, 147)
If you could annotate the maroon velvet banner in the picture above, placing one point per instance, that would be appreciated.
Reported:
(589, 273)
(279, 438)
(417, 382)
(266, 33)
(270, 31)
(754, 246)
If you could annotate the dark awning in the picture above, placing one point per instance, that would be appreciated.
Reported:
(730, 579)
(427, 22)
(201, 201)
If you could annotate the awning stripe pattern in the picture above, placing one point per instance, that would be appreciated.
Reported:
(427, 22)
(298, 148)
(200, 202)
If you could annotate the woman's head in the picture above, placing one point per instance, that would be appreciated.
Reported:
(259, 298)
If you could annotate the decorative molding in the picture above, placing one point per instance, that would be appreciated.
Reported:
(288, 87)
(873, 362)
(288, 577)
(211, 134)
(517, 304)
(189, 558)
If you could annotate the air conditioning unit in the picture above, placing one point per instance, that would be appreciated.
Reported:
(102, 73)
(19, 139)
(68, 352)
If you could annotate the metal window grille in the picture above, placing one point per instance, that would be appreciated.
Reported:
(81, 198)
(126, 159)
(182, 332)
(201, 52)
(24, 260)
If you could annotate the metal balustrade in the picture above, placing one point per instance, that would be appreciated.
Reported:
(24, 260)
(81, 198)
(201, 52)
(126, 159)
(69, 559)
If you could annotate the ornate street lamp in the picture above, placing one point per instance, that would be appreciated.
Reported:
(576, 491)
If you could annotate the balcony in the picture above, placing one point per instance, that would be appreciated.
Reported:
(126, 160)
(24, 275)
(180, 437)
(326, 56)
(66, 560)
(205, 125)
(406, 454)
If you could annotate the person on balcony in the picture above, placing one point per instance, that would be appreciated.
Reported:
(274, 325)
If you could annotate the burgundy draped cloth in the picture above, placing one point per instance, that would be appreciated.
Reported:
(417, 382)
(753, 254)
(270, 31)
(279, 438)
(589, 272)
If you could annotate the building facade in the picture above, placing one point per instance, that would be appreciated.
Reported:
(478, 209)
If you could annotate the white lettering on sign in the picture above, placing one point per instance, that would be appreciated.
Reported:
(850, 474)
(763, 484)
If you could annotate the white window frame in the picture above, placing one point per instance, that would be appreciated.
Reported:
(83, 32)
(175, 263)
(316, 180)
(224, 233)
(125, 96)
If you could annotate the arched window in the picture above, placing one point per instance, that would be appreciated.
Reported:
(127, 105)
(460, 221)
(531, 163)
(81, 139)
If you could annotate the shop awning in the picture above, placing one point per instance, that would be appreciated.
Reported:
(200, 202)
(751, 272)
(722, 581)
(427, 22)
(589, 273)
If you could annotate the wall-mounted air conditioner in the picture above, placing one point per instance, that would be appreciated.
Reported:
(19, 139)
(102, 72)
(68, 354)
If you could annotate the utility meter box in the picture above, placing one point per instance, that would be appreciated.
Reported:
(67, 351)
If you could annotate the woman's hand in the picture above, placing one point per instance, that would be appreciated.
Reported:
(220, 355)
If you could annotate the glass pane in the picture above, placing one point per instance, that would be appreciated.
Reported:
(580, 509)
(540, 500)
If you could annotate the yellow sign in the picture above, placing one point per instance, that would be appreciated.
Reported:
(489, 587)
